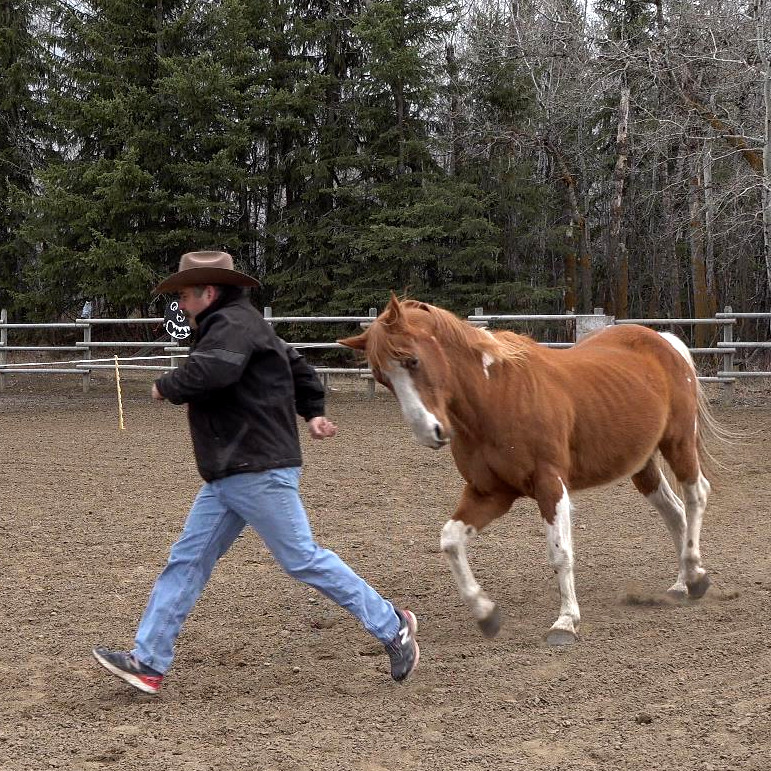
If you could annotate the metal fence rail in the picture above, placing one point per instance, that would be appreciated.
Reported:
(576, 326)
(174, 352)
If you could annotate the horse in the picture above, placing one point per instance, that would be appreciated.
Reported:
(525, 420)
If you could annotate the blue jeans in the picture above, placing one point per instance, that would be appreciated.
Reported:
(270, 502)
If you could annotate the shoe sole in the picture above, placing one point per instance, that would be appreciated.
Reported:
(412, 621)
(127, 677)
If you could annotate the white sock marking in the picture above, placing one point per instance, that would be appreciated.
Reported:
(455, 534)
(559, 540)
(672, 511)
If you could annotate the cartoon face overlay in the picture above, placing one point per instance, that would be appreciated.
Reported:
(175, 322)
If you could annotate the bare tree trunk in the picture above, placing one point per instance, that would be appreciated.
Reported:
(159, 28)
(709, 229)
(569, 264)
(617, 257)
(577, 237)
(671, 266)
(653, 311)
(696, 237)
(452, 75)
(759, 10)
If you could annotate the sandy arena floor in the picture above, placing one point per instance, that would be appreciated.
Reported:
(270, 675)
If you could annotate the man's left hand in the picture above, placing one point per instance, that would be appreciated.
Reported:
(321, 427)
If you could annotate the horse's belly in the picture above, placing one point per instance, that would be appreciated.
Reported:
(609, 460)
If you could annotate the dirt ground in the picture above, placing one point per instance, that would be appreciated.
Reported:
(270, 675)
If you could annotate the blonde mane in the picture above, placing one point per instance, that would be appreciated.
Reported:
(387, 339)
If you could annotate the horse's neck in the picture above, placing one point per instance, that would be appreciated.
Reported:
(480, 381)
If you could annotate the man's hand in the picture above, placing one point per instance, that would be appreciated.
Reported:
(156, 394)
(321, 427)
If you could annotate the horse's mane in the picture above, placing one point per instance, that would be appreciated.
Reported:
(384, 343)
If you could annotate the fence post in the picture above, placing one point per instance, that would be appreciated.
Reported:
(86, 357)
(267, 312)
(478, 311)
(728, 361)
(371, 381)
(3, 343)
(586, 322)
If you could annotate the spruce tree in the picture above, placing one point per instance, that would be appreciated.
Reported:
(22, 135)
(147, 105)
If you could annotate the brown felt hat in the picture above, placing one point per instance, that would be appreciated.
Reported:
(198, 268)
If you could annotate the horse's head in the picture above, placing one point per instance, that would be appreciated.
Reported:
(406, 357)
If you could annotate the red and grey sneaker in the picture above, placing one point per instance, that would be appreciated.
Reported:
(129, 668)
(403, 649)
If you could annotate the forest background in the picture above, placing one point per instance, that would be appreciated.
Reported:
(521, 156)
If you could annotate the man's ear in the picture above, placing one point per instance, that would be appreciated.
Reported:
(211, 293)
(357, 342)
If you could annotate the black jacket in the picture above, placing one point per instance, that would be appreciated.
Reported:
(243, 385)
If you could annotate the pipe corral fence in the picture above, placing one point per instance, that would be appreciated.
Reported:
(167, 354)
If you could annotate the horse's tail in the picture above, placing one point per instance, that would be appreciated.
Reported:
(711, 433)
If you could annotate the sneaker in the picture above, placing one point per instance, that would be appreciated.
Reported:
(130, 669)
(403, 649)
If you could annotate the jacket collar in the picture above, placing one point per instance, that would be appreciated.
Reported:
(229, 295)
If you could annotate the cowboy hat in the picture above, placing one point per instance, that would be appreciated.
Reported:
(198, 268)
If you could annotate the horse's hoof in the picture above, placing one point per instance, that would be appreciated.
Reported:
(698, 588)
(491, 625)
(561, 637)
(677, 593)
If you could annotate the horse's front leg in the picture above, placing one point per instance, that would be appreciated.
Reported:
(474, 511)
(554, 503)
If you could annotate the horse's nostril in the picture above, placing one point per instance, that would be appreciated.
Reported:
(438, 433)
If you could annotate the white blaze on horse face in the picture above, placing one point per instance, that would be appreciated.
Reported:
(425, 426)
(455, 534)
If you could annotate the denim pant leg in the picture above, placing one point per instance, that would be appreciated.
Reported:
(270, 502)
(209, 532)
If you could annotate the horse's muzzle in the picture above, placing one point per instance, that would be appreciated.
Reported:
(442, 437)
(433, 436)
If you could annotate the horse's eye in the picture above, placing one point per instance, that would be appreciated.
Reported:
(410, 363)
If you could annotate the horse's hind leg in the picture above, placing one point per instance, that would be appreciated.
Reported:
(474, 511)
(683, 460)
(652, 483)
(695, 495)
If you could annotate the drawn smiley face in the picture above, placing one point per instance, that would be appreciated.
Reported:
(175, 322)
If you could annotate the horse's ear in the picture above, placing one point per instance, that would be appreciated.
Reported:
(357, 342)
(392, 314)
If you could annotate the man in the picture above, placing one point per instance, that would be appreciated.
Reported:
(243, 385)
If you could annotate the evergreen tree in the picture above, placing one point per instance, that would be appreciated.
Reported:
(382, 214)
(148, 108)
(22, 134)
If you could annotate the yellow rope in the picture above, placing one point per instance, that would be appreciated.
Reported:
(120, 397)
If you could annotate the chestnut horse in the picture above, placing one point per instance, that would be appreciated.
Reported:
(526, 420)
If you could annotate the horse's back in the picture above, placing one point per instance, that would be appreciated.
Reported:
(629, 390)
(633, 346)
